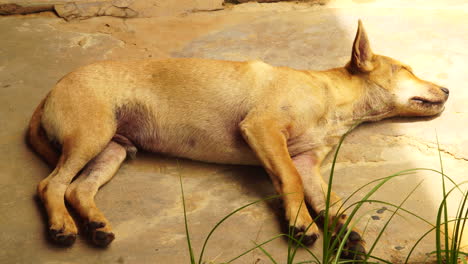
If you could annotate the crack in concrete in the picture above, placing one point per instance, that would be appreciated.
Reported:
(433, 146)
(400, 140)
(205, 10)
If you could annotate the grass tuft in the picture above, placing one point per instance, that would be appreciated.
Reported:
(448, 245)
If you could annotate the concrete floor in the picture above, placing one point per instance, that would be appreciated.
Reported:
(143, 201)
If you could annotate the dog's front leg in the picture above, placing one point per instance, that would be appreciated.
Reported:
(268, 140)
(315, 188)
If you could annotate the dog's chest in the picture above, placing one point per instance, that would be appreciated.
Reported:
(317, 137)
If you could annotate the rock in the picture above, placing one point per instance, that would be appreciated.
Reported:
(382, 210)
(24, 8)
(169, 7)
(122, 3)
(116, 8)
(74, 10)
(399, 247)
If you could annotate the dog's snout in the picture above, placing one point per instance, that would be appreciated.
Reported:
(445, 90)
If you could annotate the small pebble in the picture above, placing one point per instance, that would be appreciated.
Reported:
(375, 217)
(399, 247)
(82, 42)
(381, 210)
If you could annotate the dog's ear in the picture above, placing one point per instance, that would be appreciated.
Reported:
(361, 56)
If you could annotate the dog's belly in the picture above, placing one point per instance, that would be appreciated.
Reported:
(196, 134)
(218, 146)
(223, 146)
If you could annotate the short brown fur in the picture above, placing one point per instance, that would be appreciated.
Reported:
(252, 113)
(38, 140)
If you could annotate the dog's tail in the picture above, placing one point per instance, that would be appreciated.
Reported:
(36, 137)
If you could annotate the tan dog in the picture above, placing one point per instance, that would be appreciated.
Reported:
(284, 119)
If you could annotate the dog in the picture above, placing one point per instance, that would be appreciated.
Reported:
(247, 113)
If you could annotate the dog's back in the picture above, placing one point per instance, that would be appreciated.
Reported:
(183, 107)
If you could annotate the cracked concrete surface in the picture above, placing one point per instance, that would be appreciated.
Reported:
(143, 201)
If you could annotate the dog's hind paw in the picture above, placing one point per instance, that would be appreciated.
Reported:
(353, 248)
(99, 236)
(102, 239)
(62, 239)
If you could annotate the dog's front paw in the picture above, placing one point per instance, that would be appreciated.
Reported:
(305, 235)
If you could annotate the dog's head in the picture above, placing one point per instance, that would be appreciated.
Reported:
(409, 95)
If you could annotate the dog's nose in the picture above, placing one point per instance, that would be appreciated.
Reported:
(445, 90)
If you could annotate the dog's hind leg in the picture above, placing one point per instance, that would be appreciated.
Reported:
(77, 151)
(80, 194)
(315, 188)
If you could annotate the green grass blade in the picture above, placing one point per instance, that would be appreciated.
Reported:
(421, 238)
(436, 227)
(403, 173)
(226, 217)
(393, 205)
(379, 259)
(304, 247)
(345, 238)
(417, 242)
(463, 226)
(445, 213)
(391, 217)
(290, 232)
(326, 230)
(307, 261)
(459, 224)
(454, 241)
(250, 250)
(446, 177)
(192, 257)
(358, 206)
(410, 172)
(266, 253)
(463, 259)
(439, 223)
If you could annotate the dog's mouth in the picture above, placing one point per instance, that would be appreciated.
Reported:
(426, 102)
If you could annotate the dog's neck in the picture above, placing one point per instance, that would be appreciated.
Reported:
(357, 99)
